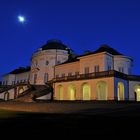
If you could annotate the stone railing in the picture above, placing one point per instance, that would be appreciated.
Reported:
(94, 75)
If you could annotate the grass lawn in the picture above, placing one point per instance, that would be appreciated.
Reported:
(5, 114)
(89, 123)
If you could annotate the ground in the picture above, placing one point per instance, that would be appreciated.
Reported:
(95, 119)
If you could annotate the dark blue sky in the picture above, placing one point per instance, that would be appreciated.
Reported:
(81, 24)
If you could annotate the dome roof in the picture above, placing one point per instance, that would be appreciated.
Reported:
(54, 44)
(106, 48)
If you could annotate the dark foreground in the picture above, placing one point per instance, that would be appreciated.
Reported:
(94, 122)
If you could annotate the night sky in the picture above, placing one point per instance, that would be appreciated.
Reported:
(80, 24)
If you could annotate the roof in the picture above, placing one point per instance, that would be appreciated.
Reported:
(106, 48)
(103, 48)
(70, 60)
(54, 44)
(20, 70)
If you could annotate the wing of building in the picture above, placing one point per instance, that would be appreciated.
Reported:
(104, 74)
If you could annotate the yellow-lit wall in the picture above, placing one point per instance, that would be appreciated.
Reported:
(78, 84)
(91, 61)
(132, 85)
(67, 68)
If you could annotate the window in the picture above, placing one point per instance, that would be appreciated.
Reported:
(109, 67)
(96, 68)
(13, 82)
(47, 62)
(35, 78)
(129, 70)
(36, 63)
(58, 62)
(57, 76)
(77, 73)
(3, 82)
(63, 74)
(121, 69)
(46, 77)
(86, 70)
(69, 74)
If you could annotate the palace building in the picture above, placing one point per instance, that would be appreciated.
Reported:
(56, 74)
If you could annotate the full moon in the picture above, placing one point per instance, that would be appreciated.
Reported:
(21, 19)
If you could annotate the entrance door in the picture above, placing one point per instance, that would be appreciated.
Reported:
(86, 92)
(101, 90)
(72, 92)
(60, 93)
(137, 92)
(120, 91)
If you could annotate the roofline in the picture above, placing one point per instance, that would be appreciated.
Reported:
(95, 54)
(23, 72)
(7, 74)
(67, 63)
(124, 57)
(15, 73)
(107, 54)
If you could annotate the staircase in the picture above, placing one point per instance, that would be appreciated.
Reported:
(34, 92)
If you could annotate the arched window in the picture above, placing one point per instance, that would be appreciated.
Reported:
(60, 92)
(72, 92)
(6, 96)
(120, 91)
(20, 90)
(137, 92)
(86, 92)
(101, 89)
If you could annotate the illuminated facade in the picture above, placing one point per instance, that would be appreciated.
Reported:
(104, 74)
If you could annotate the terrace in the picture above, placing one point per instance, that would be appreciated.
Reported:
(91, 76)
(103, 74)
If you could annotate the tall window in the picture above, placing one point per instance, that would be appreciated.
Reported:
(35, 78)
(121, 91)
(69, 74)
(46, 77)
(129, 70)
(96, 68)
(58, 62)
(86, 91)
(77, 73)
(86, 70)
(6, 82)
(109, 67)
(121, 69)
(101, 90)
(63, 74)
(47, 62)
(3, 83)
(36, 63)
